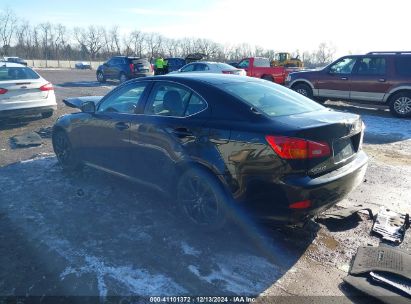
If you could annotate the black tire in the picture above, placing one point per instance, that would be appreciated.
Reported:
(100, 77)
(303, 89)
(400, 104)
(65, 153)
(202, 199)
(122, 78)
(47, 114)
(268, 78)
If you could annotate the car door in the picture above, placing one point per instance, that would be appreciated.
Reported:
(105, 135)
(168, 132)
(335, 81)
(369, 80)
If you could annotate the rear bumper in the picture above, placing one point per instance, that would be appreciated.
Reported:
(323, 192)
(138, 75)
(27, 111)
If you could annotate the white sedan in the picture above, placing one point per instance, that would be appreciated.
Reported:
(24, 92)
(211, 67)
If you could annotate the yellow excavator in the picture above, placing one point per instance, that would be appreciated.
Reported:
(284, 59)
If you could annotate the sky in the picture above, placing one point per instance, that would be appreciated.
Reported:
(351, 26)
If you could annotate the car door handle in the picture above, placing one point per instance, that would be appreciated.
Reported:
(344, 78)
(381, 80)
(122, 126)
(181, 132)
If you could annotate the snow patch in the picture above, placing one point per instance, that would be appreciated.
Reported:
(241, 274)
(138, 281)
(387, 126)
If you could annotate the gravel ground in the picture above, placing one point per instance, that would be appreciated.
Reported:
(96, 235)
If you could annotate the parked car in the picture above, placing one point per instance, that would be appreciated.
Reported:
(218, 143)
(260, 67)
(174, 64)
(378, 77)
(24, 92)
(83, 65)
(124, 68)
(15, 60)
(211, 67)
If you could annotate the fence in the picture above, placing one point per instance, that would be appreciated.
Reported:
(62, 64)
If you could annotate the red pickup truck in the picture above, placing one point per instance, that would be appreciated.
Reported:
(259, 67)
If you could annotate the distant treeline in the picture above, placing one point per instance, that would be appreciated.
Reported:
(48, 41)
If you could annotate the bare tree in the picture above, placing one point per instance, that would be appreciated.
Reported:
(45, 30)
(90, 40)
(325, 53)
(8, 23)
(153, 42)
(115, 40)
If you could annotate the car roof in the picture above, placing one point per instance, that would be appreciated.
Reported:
(210, 78)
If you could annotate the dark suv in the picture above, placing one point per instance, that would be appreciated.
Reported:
(124, 68)
(380, 77)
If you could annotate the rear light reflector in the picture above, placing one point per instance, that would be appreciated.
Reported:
(300, 205)
(3, 91)
(297, 148)
(46, 87)
(131, 67)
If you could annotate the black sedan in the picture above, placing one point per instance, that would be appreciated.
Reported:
(218, 144)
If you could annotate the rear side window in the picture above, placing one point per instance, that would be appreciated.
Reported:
(261, 62)
(271, 99)
(403, 66)
(371, 66)
(173, 100)
(201, 67)
(17, 73)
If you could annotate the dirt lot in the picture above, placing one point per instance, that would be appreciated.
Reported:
(92, 234)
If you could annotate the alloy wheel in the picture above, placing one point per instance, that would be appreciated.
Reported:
(402, 105)
(200, 202)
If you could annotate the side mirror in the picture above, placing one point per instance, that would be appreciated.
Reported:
(88, 107)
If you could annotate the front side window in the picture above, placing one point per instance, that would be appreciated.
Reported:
(343, 66)
(173, 100)
(244, 64)
(271, 99)
(125, 100)
(371, 66)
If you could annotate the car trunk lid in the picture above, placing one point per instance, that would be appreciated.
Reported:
(342, 132)
(23, 90)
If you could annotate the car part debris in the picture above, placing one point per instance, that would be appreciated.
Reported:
(392, 280)
(382, 272)
(29, 139)
(391, 225)
(383, 258)
(346, 212)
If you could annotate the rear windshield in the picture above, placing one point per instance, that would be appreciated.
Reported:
(17, 73)
(271, 99)
(403, 65)
(226, 66)
(141, 62)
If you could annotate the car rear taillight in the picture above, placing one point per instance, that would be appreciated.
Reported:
(300, 205)
(131, 67)
(228, 72)
(46, 87)
(3, 91)
(297, 148)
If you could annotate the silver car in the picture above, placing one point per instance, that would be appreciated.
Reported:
(24, 92)
(211, 67)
